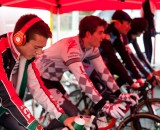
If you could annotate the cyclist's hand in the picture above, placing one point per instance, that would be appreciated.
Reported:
(157, 79)
(156, 72)
(39, 128)
(135, 85)
(69, 121)
(154, 80)
(128, 97)
(115, 110)
(140, 81)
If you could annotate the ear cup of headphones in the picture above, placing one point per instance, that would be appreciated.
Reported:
(19, 38)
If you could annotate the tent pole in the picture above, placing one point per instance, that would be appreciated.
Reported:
(58, 24)
(154, 51)
(51, 26)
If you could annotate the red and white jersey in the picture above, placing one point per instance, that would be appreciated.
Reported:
(12, 66)
(68, 54)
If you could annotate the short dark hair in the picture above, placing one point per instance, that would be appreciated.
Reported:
(138, 25)
(121, 16)
(40, 27)
(90, 23)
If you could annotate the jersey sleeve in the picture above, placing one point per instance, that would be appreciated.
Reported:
(85, 83)
(40, 92)
(72, 58)
(141, 56)
(103, 72)
(120, 48)
(113, 62)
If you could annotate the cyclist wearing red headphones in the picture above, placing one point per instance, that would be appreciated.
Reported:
(18, 50)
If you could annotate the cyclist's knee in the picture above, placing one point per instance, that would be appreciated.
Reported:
(69, 108)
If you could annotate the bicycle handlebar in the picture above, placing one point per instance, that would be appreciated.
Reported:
(92, 121)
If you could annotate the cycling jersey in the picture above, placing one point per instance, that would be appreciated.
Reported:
(68, 54)
(109, 50)
(12, 66)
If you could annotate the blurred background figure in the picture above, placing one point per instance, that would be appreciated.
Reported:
(148, 12)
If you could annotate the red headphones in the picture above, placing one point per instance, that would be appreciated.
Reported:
(19, 38)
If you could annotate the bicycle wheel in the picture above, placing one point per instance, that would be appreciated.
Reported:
(150, 105)
(140, 121)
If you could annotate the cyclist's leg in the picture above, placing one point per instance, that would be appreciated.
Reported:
(58, 92)
(10, 123)
(53, 84)
(54, 125)
(66, 104)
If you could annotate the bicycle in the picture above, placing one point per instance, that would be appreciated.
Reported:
(146, 103)
(156, 87)
(135, 121)
(139, 121)
(141, 107)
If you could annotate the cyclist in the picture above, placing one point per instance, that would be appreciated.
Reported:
(112, 45)
(68, 54)
(138, 27)
(18, 50)
(148, 12)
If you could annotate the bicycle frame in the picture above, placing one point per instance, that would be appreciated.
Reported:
(112, 121)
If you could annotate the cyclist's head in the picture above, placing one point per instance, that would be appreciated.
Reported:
(121, 21)
(90, 24)
(120, 16)
(138, 26)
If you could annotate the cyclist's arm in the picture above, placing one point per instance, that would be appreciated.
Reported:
(141, 56)
(113, 63)
(126, 58)
(85, 83)
(104, 73)
(41, 94)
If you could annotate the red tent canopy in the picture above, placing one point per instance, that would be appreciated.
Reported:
(65, 6)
